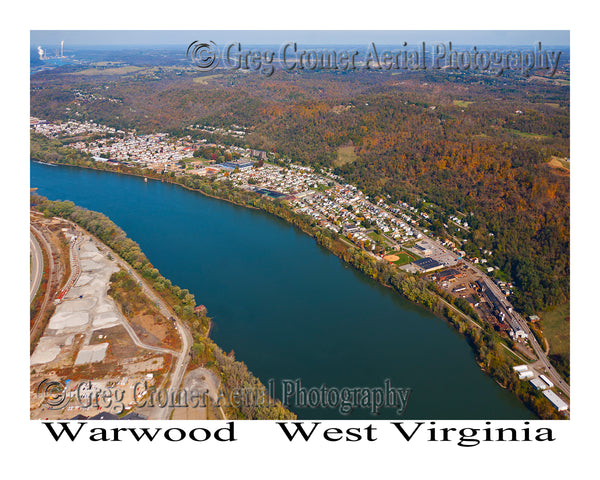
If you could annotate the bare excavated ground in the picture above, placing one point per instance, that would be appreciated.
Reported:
(205, 384)
(88, 339)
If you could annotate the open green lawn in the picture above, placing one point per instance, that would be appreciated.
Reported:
(375, 236)
(534, 136)
(403, 257)
(557, 329)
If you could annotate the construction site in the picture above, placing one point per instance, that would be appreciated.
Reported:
(88, 359)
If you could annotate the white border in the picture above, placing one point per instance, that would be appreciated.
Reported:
(261, 448)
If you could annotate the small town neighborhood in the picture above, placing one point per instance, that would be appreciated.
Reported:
(397, 233)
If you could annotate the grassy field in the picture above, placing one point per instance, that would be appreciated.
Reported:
(403, 257)
(375, 236)
(204, 80)
(462, 103)
(109, 71)
(528, 135)
(556, 327)
(345, 155)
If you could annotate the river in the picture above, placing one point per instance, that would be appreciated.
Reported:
(286, 306)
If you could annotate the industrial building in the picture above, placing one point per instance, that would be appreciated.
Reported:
(428, 264)
(423, 248)
(446, 275)
(239, 164)
(546, 380)
(500, 312)
(555, 400)
(538, 384)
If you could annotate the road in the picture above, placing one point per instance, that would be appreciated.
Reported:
(51, 273)
(185, 334)
(542, 363)
(182, 357)
(37, 266)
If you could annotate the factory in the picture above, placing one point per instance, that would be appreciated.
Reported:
(428, 264)
(449, 274)
(547, 381)
(555, 400)
(239, 164)
(538, 384)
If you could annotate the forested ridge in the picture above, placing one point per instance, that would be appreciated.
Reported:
(475, 144)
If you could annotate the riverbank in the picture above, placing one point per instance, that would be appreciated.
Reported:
(204, 351)
(486, 343)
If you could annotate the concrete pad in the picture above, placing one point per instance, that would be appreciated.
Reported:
(84, 253)
(64, 320)
(83, 279)
(105, 307)
(91, 353)
(90, 265)
(105, 319)
(46, 351)
(75, 305)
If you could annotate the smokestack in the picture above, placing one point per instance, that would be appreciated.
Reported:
(41, 52)
(61, 48)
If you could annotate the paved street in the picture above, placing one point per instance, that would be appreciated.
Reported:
(37, 266)
(542, 364)
(186, 336)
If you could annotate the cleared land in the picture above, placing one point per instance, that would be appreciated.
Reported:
(560, 164)
(109, 71)
(462, 103)
(204, 80)
(556, 326)
(533, 136)
(345, 155)
(400, 257)
(88, 337)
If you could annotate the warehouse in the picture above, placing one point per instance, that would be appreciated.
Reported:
(423, 248)
(546, 380)
(555, 400)
(240, 164)
(538, 384)
(428, 264)
(447, 275)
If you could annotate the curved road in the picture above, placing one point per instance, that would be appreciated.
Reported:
(542, 363)
(186, 336)
(37, 266)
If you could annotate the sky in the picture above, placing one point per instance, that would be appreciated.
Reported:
(73, 38)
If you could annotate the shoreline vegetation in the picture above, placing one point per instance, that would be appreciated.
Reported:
(205, 352)
(492, 352)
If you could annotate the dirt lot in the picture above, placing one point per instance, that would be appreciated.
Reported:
(86, 318)
(155, 330)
